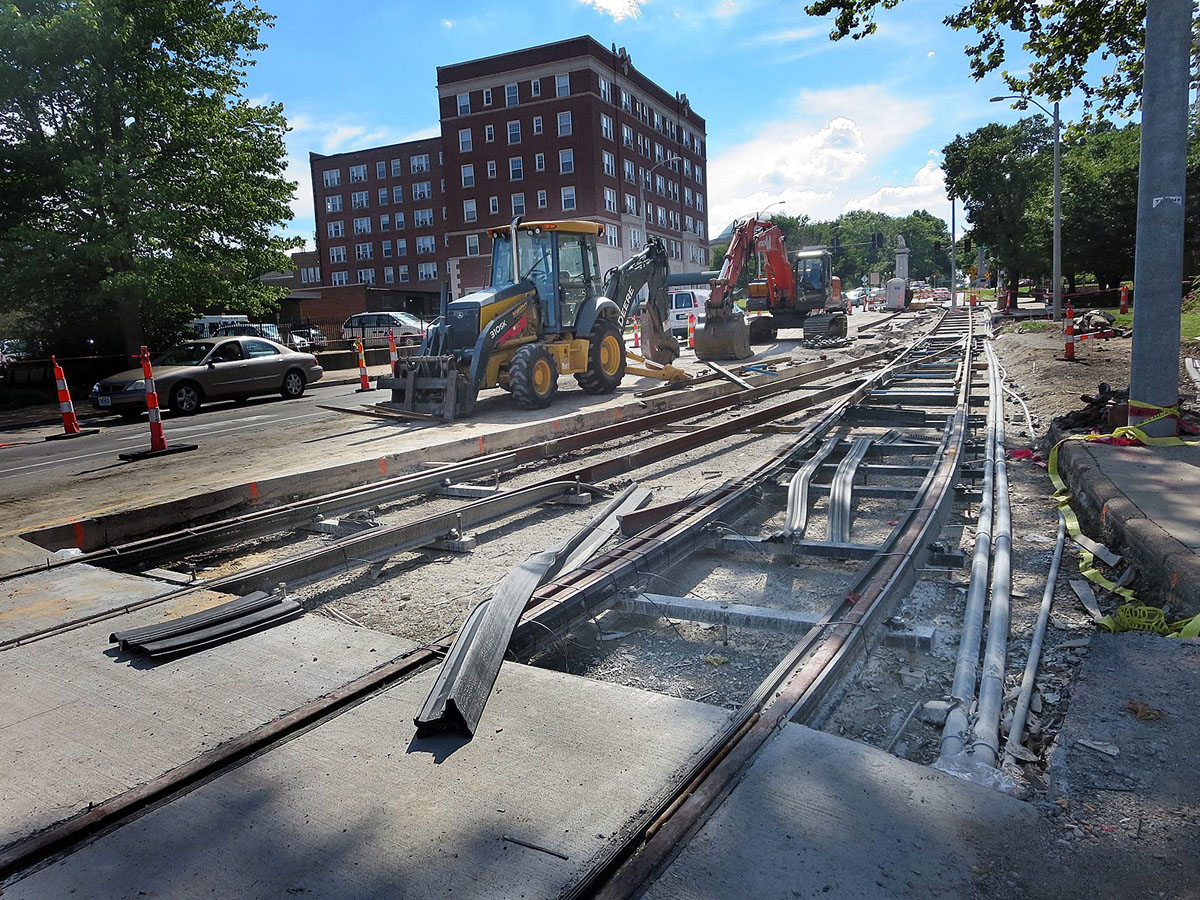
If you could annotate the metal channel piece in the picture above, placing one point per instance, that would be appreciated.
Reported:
(841, 498)
(190, 641)
(797, 499)
(203, 619)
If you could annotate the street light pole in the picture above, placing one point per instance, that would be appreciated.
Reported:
(1056, 264)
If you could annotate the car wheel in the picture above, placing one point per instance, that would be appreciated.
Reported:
(293, 385)
(184, 399)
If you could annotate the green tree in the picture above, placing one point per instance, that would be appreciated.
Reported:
(137, 185)
(1062, 35)
(922, 230)
(997, 171)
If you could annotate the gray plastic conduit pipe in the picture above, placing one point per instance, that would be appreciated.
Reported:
(986, 744)
(1017, 730)
(962, 689)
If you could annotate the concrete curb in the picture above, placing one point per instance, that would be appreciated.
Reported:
(1111, 517)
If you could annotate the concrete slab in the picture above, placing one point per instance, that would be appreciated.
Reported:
(1162, 482)
(356, 808)
(821, 816)
(80, 722)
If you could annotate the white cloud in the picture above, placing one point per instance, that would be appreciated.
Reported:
(930, 54)
(725, 9)
(927, 190)
(447, 23)
(813, 161)
(794, 34)
(618, 9)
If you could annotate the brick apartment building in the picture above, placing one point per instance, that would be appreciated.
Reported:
(564, 130)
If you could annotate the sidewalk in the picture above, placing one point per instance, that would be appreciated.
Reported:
(47, 414)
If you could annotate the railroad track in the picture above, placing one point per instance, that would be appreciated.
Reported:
(915, 404)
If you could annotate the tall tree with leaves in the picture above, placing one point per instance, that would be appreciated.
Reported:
(1062, 35)
(997, 171)
(137, 185)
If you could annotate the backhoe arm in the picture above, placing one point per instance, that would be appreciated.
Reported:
(622, 284)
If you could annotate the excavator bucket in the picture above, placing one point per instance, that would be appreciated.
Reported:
(726, 339)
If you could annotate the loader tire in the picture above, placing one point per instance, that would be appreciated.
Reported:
(533, 377)
(606, 359)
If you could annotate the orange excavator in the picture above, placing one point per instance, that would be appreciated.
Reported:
(791, 294)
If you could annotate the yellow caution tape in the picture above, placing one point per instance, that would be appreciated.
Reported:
(1131, 615)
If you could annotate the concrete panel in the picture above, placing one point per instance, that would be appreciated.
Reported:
(80, 722)
(357, 808)
(1162, 482)
(821, 816)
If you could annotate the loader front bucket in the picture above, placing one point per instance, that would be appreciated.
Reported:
(728, 339)
(430, 386)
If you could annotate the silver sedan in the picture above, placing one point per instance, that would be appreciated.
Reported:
(210, 369)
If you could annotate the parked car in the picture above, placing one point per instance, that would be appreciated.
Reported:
(12, 351)
(312, 334)
(208, 369)
(373, 328)
(265, 330)
(684, 304)
(207, 326)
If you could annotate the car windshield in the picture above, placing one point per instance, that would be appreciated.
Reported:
(408, 319)
(184, 355)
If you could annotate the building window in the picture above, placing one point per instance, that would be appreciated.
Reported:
(566, 162)
(562, 85)
(402, 246)
(426, 244)
(422, 190)
(402, 274)
(539, 162)
(364, 251)
(358, 173)
(427, 271)
(339, 279)
(469, 213)
(657, 122)
(631, 204)
(396, 170)
(606, 127)
(468, 175)
(535, 87)
(564, 124)
(472, 245)
(489, 133)
(337, 254)
(387, 248)
(493, 205)
(310, 275)
(418, 164)
(687, 196)
(397, 193)
(366, 276)
(611, 237)
(332, 177)
(516, 169)
(658, 153)
(491, 168)
(699, 203)
(689, 222)
(464, 140)
(635, 238)
(605, 90)
(518, 204)
(630, 171)
(568, 199)
(610, 163)
(385, 223)
(398, 219)
(699, 175)
(514, 132)
(662, 217)
(511, 95)
(333, 203)
(362, 225)
(660, 184)
(360, 200)
(336, 229)
(625, 101)
(464, 104)
(610, 200)
(487, 96)
(541, 199)
(627, 136)
(383, 195)
(381, 169)
(422, 218)
(389, 275)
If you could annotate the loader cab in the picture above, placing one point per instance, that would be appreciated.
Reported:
(558, 258)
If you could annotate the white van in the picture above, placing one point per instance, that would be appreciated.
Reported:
(685, 303)
(207, 326)
(373, 328)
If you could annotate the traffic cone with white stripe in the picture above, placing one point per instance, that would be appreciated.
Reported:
(363, 383)
(392, 355)
(158, 438)
(70, 423)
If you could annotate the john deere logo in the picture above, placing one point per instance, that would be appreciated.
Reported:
(458, 314)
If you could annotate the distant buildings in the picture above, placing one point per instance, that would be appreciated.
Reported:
(563, 130)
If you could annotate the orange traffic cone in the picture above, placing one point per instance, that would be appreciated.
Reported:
(158, 438)
(363, 383)
(637, 334)
(392, 355)
(691, 331)
(1124, 299)
(1069, 351)
(70, 423)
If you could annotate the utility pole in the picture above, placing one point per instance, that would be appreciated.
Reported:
(953, 259)
(1158, 256)
(1057, 263)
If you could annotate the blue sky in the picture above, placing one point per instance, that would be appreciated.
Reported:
(825, 127)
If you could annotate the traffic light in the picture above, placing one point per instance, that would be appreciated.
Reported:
(967, 244)
(877, 240)
(937, 247)
(837, 244)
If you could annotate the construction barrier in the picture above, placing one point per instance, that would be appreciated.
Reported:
(1069, 352)
(71, 427)
(973, 300)
(363, 383)
(691, 331)
(392, 355)
(637, 334)
(158, 438)
(1124, 299)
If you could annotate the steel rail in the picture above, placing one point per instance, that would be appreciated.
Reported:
(258, 523)
(789, 692)
(841, 495)
(797, 500)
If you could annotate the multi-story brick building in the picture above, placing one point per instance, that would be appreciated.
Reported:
(564, 130)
